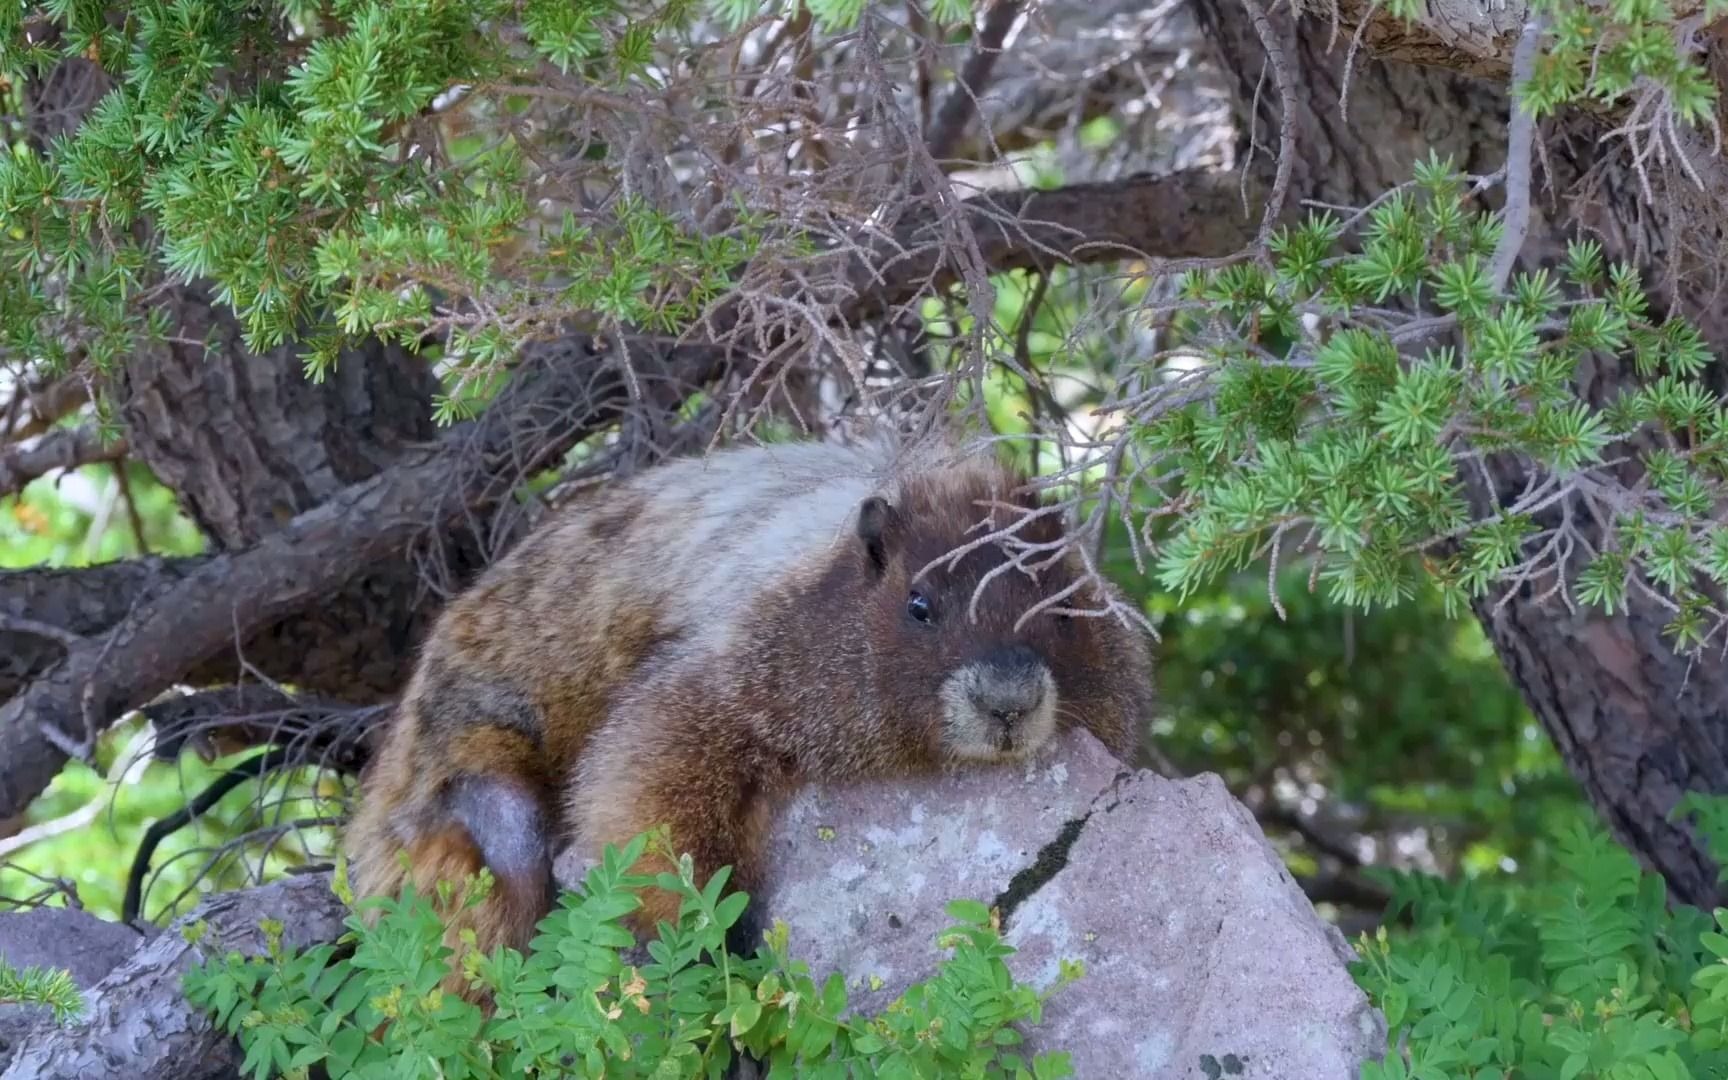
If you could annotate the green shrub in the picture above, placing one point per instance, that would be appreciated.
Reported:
(574, 1007)
(1589, 975)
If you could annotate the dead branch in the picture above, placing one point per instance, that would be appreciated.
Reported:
(226, 720)
(48, 830)
(1347, 888)
(33, 408)
(82, 602)
(1521, 135)
(1193, 214)
(1283, 817)
(62, 448)
(962, 102)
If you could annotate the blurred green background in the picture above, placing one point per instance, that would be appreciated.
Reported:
(94, 817)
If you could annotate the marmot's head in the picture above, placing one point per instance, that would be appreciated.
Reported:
(968, 684)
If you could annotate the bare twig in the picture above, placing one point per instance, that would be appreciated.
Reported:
(250, 769)
(1521, 134)
(217, 722)
(36, 407)
(48, 830)
(962, 102)
(1277, 57)
(133, 517)
(37, 628)
(1273, 813)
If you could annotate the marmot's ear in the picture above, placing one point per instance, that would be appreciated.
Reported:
(875, 524)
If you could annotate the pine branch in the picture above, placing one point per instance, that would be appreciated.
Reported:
(40, 986)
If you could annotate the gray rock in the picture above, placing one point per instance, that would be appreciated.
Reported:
(85, 946)
(137, 1023)
(81, 944)
(1203, 958)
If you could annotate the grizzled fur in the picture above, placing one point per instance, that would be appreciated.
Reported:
(698, 641)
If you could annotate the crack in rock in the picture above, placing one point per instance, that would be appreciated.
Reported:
(1183, 914)
(1052, 858)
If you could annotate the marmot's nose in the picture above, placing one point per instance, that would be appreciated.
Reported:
(1010, 684)
(1015, 663)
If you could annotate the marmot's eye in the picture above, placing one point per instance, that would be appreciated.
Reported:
(918, 606)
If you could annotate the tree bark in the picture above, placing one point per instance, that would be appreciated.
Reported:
(1637, 725)
(248, 441)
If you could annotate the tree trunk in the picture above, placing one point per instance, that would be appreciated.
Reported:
(1636, 725)
(247, 442)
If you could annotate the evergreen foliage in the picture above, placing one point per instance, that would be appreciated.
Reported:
(41, 986)
(281, 152)
(1617, 53)
(1354, 390)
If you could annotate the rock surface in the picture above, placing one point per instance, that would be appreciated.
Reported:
(136, 1024)
(86, 947)
(1203, 958)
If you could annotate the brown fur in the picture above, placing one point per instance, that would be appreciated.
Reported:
(572, 694)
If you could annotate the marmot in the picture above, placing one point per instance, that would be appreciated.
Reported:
(688, 645)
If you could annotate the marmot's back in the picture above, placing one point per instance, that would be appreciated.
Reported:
(672, 558)
(703, 537)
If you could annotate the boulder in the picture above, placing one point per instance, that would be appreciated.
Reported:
(1202, 956)
(84, 946)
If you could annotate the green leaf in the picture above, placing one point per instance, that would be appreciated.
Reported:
(745, 1016)
(968, 911)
